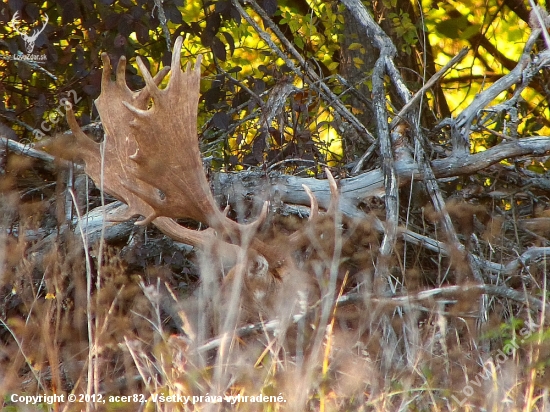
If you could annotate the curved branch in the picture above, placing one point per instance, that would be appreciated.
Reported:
(355, 190)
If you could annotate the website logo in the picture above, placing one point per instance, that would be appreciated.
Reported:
(29, 37)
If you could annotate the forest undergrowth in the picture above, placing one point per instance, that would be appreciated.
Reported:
(140, 315)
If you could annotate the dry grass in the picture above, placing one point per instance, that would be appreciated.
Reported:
(126, 319)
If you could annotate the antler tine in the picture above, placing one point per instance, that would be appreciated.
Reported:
(247, 231)
(135, 110)
(121, 73)
(197, 63)
(73, 125)
(150, 85)
(157, 79)
(261, 218)
(334, 194)
(300, 237)
(314, 205)
(176, 52)
(106, 74)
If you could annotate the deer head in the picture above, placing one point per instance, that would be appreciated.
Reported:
(151, 162)
(28, 39)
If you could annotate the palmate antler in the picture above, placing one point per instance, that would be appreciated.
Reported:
(152, 160)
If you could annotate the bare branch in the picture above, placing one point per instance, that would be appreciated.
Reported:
(525, 70)
(27, 150)
(434, 79)
(317, 82)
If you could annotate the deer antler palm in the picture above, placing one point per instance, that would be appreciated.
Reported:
(153, 164)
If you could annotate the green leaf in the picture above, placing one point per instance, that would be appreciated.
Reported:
(355, 46)
(332, 66)
(299, 41)
(358, 62)
(294, 25)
